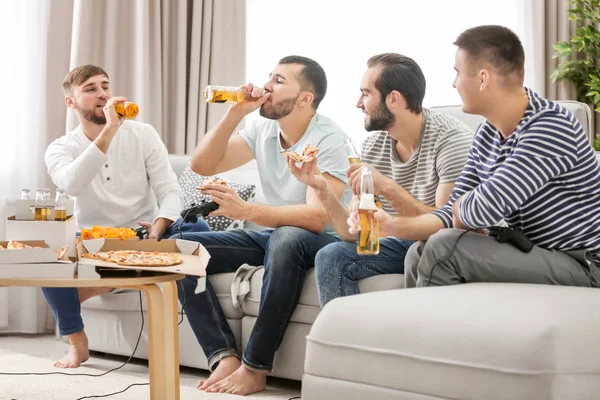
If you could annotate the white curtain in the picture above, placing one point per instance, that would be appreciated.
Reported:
(28, 102)
(423, 30)
(164, 60)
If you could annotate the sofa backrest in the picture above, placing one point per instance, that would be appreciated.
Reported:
(581, 111)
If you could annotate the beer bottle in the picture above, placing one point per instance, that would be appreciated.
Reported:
(127, 110)
(48, 206)
(354, 158)
(223, 94)
(367, 241)
(60, 209)
(40, 206)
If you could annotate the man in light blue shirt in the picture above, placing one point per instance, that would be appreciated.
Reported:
(299, 226)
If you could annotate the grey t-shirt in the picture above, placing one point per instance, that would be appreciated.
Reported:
(282, 188)
(439, 158)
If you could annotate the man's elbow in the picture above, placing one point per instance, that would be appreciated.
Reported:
(201, 168)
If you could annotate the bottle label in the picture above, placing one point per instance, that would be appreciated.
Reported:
(367, 202)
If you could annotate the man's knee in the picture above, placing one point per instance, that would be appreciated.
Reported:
(330, 258)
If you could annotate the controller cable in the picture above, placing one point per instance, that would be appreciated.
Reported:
(104, 373)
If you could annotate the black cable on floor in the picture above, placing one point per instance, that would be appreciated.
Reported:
(95, 375)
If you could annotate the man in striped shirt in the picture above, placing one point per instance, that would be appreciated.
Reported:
(531, 166)
(415, 155)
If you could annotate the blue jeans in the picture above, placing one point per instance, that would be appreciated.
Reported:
(338, 268)
(64, 302)
(287, 253)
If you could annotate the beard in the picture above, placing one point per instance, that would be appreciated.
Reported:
(278, 110)
(380, 120)
(90, 115)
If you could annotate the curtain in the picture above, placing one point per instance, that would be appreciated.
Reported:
(550, 24)
(161, 54)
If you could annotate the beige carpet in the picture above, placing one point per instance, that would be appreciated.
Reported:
(60, 387)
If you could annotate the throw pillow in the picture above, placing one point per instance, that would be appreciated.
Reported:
(189, 181)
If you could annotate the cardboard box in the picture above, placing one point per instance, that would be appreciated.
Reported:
(195, 257)
(24, 209)
(44, 254)
(56, 234)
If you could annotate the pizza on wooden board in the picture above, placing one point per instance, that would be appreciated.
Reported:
(136, 258)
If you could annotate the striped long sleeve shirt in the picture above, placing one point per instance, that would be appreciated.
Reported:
(544, 179)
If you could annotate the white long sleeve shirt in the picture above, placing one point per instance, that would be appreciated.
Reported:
(121, 187)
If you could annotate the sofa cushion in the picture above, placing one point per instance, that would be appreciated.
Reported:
(469, 341)
(581, 111)
(189, 181)
(308, 305)
(128, 300)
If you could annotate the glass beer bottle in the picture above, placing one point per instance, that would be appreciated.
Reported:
(40, 206)
(354, 158)
(127, 110)
(223, 94)
(47, 201)
(60, 209)
(367, 241)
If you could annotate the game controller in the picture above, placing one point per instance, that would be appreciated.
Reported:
(511, 236)
(203, 209)
(141, 232)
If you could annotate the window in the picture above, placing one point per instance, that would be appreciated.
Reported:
(342, 35)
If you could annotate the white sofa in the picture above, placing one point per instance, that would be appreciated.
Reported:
(473, 341)
(113, 322)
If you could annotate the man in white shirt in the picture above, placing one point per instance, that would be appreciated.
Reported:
(119, 174)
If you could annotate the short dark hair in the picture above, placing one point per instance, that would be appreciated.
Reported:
(312, 77)
(81, 74)
(496, 45)
(403, 74)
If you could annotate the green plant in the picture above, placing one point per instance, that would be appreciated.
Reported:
(581, 54)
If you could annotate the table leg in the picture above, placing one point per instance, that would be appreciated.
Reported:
(156, 343)
(171, 338)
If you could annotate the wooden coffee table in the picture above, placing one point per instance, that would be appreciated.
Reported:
(163, 335)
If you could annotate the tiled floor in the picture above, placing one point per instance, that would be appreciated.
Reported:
(47, 349)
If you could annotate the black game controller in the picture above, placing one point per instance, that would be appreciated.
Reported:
(511, 236)
(203, 209)
(141, 232)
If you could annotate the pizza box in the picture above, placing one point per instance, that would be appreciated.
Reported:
(56, 234)
(30, 256)
(195, 257)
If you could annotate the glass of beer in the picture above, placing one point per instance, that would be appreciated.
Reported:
(223, 94)
(60, 209)
(353, 156)
(367, 241)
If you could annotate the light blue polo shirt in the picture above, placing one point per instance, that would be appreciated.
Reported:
(280, 187)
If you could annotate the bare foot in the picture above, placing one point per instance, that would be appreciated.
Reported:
(226, 367)
(243, 381)
(89, 292)
(78, 351)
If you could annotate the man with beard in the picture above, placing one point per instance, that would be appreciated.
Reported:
(415, 155)
(119, 173)
(298, 224)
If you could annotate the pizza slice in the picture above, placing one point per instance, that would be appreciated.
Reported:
(213, 180)
(308, 154)
(14, 245)
(102, 256)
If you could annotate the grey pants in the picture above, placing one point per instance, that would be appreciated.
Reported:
(480, 258)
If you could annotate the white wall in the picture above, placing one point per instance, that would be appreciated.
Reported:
(423, 30)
